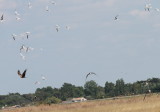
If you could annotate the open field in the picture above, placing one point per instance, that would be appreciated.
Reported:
(133, 104)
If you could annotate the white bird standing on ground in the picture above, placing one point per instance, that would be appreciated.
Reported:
(57, 28)
(148, 89)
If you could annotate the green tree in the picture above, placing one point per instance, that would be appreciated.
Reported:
(91, 88)
(67, 91)
(78, 92)
(57, 93)
(119, 88)
(52, 100)
(44, 93)
(128, 89)
(100, 92)
(109, 89)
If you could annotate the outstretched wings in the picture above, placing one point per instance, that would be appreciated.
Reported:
(2, 17)
(90, 74)
(19, 73)
(23, 74)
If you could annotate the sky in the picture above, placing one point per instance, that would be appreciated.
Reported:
(127, 48)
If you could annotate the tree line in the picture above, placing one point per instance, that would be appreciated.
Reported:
(91, 90)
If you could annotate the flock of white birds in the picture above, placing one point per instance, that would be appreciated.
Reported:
(26, 35)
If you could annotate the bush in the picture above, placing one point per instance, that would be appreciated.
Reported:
(52, 100)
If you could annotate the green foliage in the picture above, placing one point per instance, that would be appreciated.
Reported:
(119, 87)
(91, 90)
(109, 89)
(44, 93)
(52, 100)
(13, 99)
(70, 91)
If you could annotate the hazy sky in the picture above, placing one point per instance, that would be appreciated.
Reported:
(128, 48)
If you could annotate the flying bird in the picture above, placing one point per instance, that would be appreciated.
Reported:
(90, 73)
(148, 7)
(47, 9)
(29, 49)
(22, 56)
(37, 82)
(27, 33)
(18, 18)
(16, 13)
(23, 74)
(14, 36)
(26, 49)
(57, 28)
(23, 48)
(53, 2)
(2, 18)
(158, 10)
(148, 89)
(43, 78)
(116, 17)
(68, 27)
(29, 5)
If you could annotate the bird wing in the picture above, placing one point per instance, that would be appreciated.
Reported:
(87, 75)
(93, 73)
(24, 73)
(19, 73)
(90, 74)
(2, 17)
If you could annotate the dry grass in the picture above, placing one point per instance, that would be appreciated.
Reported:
(134, 104)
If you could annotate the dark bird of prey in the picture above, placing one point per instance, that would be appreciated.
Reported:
(116, 17)
(23, 74)
(90, 73)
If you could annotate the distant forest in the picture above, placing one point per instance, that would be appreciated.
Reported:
(91, 90)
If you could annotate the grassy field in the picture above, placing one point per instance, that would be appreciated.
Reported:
(133, 104)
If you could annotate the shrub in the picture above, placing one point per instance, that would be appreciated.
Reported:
(52, 100)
